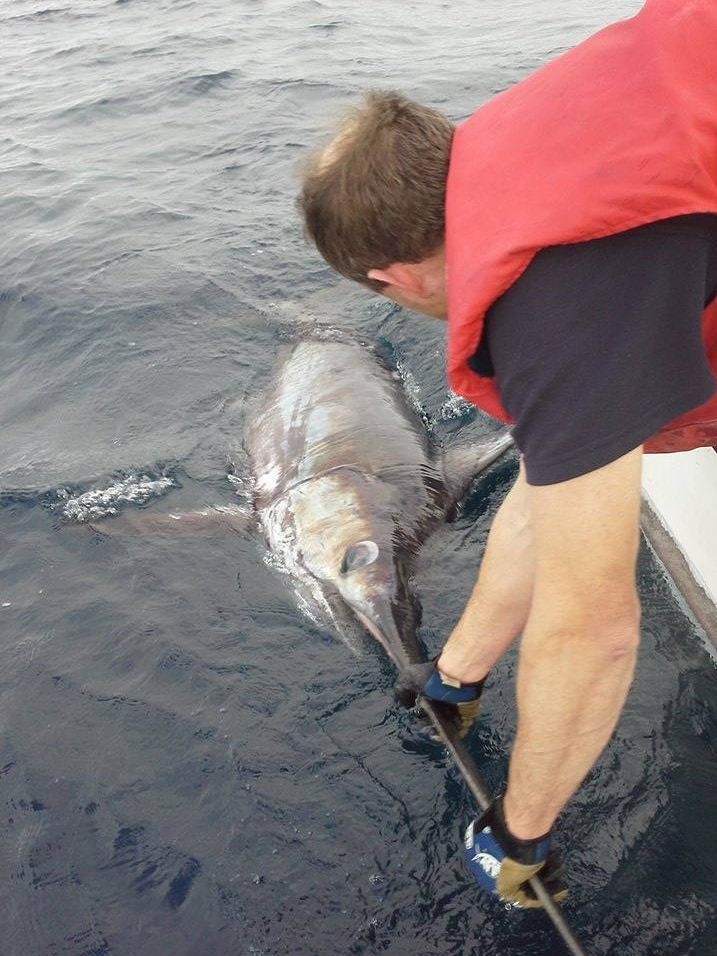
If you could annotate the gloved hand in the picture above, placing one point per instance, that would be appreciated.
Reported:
(502, 864)
(459, 701)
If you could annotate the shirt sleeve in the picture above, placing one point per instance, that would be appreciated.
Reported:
(598, 344)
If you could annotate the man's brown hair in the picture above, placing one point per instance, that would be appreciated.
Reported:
(376, 194)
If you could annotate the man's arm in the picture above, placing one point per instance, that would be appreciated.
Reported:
(498, 607)
(579, 646)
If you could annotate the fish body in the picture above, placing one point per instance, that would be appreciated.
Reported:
(347, 486)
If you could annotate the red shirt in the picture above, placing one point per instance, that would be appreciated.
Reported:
(619, 132)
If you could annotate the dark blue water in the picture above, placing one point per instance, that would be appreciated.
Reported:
(189, 766)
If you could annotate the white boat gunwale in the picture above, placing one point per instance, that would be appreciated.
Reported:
(679, 520)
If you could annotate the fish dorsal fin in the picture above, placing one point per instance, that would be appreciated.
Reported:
(462, 463)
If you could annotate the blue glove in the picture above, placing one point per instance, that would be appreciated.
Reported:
(502, 864)
(460, 702)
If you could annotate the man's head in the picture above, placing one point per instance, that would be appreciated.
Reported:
(373, 200)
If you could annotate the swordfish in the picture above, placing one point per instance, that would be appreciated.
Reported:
(347, 485)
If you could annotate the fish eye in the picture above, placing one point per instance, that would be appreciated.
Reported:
(359, 555)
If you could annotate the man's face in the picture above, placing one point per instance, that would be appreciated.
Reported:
(434, 305)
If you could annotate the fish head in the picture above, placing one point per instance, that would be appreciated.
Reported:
(347, 537)
(374, 582)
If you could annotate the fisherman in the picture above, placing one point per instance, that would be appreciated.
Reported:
(568, 232)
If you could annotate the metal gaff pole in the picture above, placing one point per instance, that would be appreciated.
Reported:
(470, 773)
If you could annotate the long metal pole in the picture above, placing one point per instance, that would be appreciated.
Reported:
(470, 773)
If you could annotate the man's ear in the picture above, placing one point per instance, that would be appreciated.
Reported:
(402, 275)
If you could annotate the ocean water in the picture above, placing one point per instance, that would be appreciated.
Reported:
(188, 765)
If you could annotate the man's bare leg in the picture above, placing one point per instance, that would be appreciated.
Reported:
(579, 646)
(561, 559)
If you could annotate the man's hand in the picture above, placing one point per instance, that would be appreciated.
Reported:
(460, 702)
(502, 864)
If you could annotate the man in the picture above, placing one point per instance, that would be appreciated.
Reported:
(568, 232)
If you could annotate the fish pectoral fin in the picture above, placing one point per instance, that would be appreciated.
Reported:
(463, 463)
(236, 517)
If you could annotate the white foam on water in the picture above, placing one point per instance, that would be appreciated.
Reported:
(241, 484)
(413, 394)
(330, 333)
(102, 502)
(455, 406)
